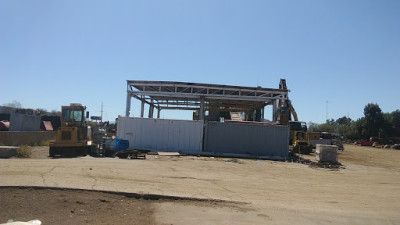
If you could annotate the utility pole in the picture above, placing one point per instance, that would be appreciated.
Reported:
(327, 111)
(101, 118)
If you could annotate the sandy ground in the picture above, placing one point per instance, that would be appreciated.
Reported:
(183, 190)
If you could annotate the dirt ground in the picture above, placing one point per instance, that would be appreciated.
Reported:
(201, 190)
(72, 207)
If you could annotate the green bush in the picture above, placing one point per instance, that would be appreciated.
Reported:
(24, 151)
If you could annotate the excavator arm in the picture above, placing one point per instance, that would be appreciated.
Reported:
(288, 103)
(292, 111)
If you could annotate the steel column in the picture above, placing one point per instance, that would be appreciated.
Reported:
(142, 110)
(128, 103)
(262, 114)
(274, 110)
(151, 109)
(201, 115)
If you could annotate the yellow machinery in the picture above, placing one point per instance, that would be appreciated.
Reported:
(299, 138)
(301, 143)
(314, 135)
(74, 136)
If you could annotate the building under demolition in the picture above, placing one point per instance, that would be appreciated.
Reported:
(227, 120)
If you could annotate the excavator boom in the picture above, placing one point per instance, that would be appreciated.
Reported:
(287, 103)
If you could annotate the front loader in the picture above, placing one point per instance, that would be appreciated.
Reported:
(74, 135)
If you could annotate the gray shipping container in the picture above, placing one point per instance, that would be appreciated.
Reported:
(22, 122)
(161, 134)
(246, 138)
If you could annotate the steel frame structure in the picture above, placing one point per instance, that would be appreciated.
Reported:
(198, 96)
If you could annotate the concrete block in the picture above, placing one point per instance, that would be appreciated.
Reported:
(326, 153)
(8, 151)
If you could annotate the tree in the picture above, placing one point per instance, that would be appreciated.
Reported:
(392, 124)
(373, 124)
(14, 104)
(330, 122)
(313, 127)
(343, 121)
(360, 128)
(396, 122)
(374, 120)
(11, 106)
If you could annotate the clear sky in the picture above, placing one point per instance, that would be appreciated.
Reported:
(345, 52)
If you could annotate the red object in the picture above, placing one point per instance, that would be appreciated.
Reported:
(366, 143)
(46, 126)
(4, 125)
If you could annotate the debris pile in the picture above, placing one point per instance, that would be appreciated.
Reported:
(327, 165)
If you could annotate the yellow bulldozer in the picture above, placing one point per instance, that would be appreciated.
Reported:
(299, 137)
(74, 135)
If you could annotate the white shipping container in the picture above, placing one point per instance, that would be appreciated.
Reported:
(184, 136)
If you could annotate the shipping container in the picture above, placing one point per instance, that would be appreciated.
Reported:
(167, 135)
(22, 122)
(246, 138)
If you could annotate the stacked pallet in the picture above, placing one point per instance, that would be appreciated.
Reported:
(236, 116)
(327, 153)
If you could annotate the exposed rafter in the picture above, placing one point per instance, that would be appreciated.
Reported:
(194, 96)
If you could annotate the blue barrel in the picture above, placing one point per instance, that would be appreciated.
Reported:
(121, 144)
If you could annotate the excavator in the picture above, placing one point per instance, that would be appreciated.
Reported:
(74, 135)
(298, 137)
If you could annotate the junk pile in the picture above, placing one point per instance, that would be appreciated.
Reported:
(119, 147)
(396, 146)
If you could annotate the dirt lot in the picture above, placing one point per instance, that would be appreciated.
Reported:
(200, 190)
(72, 207)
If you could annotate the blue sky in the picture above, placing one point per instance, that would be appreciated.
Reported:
(346, 52)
